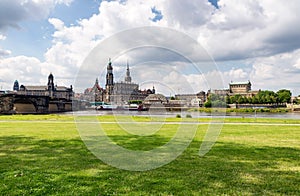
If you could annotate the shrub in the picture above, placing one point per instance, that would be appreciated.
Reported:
(188, 116)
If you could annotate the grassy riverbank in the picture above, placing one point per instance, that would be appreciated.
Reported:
(44, 154)
(241, 110)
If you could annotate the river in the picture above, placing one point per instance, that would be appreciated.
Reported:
(164, 114)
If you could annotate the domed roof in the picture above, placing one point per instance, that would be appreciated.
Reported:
(156, 97)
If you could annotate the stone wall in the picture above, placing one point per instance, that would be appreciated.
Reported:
(6, 105)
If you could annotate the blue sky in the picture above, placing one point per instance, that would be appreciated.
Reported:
(34, 36)
(248, 40)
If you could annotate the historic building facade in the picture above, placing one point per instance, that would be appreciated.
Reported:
(192, 99)
(116, 92)
(235, 88)
(94, 93)
(51, 90)
(240, 87)
(37, 99)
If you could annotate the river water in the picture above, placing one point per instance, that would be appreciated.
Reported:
(164, 114)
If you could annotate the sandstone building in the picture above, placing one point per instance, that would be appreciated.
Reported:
(118, 93)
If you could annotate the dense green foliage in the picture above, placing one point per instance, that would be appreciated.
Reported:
(215, 101)
(241, 110)
(44, 155)
(263, 97)
(135, 102)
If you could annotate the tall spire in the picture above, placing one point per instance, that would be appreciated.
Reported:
(128, 77)
(109, 81)
(109, 74)
(109, 65)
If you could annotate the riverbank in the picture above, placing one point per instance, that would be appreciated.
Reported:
(241, 110)
(44, 155)
(70, 119)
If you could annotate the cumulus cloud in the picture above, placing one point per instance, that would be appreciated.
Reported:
(237, 30)
(278, 71)
(4, 53)
(12, 12)
(189, 15)
(31, 71)
(2, 37)
(261, 32)
(247, 29)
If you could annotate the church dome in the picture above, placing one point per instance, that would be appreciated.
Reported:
(156, 98)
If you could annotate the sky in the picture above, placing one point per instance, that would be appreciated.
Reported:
(177, 46)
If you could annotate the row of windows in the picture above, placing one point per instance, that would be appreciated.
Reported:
(239, 86)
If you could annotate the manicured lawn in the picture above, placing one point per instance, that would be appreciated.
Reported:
(45, 155)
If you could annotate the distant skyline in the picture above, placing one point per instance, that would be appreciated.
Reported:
(249, 40)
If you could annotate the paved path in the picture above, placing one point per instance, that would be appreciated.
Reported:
(167, 123)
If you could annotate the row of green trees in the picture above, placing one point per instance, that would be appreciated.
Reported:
(263, 97)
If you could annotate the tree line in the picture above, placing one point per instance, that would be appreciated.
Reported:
(263, 97)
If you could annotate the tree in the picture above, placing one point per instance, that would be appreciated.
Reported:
(273, 99)
(255, 99)
(284, 96)
(249, 100)
(268, 99)
(207, 104)
(227, 99)
(241, 100)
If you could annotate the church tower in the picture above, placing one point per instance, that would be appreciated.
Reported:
(51, 85)
(16, 86)
(128, 77)
(109, 81)
(50, 82)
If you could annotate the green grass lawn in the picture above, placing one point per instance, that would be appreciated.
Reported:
(44, 154)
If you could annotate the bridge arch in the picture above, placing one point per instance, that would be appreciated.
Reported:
(24, 105)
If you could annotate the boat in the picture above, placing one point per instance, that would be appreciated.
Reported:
(127, 107)
(106, 106)
(135, 107)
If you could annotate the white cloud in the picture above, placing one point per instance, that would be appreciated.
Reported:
(2, 37)
(189, 15)
(57, 23)
(31, 71)
(4, 53)
(263, 32)
(297, 64)
(12, 12)
(243, 29)
(277, 72)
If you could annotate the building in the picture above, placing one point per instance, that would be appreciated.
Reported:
(96, 93)
(219, 92)
(192, 99)
(240, 87)
(155, 100)
(118, 93)
(235, 88)
(16, 86)
(26, 99)
(51, 90)
(126, 90)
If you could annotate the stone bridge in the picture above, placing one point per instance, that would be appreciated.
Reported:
(32, 104)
